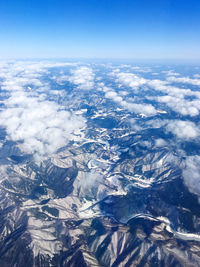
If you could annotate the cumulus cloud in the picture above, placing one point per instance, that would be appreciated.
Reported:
(39, 126)
(183, 129)
(165, 87)
(146, 109)
(175, 98)
(183, 101)
(191, 174)
(180, 105)
(160, 142)
(184, 80)
(156, 123)
(83, 77)
(130, 79)
(138, 108)
(114, 96)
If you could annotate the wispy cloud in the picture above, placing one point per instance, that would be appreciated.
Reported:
(170, 73)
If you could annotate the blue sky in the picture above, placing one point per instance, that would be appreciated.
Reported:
(126, 29)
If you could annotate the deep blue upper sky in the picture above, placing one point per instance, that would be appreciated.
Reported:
(134, 29)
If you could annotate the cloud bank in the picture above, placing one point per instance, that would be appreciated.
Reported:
(39, 126)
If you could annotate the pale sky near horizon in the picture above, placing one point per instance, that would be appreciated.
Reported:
(129, 29)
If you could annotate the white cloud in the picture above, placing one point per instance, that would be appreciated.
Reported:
(183, 129)
(170, 73)
(184, 80)
(83, 77)
(156, 123)
(160, 142)
(180, 105)
(114, 96)
(134, 125)
(165, 87)
(146, 109)
(175, 98)
(142, 69)
(130, 79)
(39, 126)
(191, 174)
(137, 108)
(133, 81)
